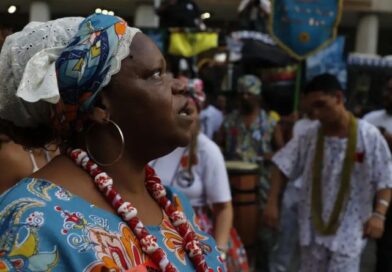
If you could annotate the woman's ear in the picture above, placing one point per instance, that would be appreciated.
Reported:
(100, 112)
(99, 115)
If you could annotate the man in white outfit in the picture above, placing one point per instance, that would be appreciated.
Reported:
(345, 164)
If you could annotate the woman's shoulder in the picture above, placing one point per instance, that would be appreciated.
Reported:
(22, 189)
(65, 231)
(31, 194)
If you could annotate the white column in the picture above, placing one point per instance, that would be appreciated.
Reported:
(367, 34)
(39, 11)
(157, 3)
(145, 16)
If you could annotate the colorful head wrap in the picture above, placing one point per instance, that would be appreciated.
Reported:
(250, 84)
(68, 58)
(83, 67)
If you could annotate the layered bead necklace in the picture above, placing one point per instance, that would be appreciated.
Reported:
(128, 213)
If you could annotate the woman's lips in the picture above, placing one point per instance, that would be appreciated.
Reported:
(185, 113)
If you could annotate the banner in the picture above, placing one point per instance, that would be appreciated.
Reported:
(304, 27)
(188, 44)
(329, 60)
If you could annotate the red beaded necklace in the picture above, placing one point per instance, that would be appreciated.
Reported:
(128, 213)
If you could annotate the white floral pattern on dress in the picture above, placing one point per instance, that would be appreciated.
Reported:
(35, 219)
(63, 194)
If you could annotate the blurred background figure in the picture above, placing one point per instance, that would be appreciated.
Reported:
(211, 118)
(345, 165)
(383, 120)
(179, 13)
(253, 14)
(18, 162)
(198, 171)
(250, 135)
(285, 257)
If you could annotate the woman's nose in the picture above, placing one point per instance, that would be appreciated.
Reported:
(178, 87)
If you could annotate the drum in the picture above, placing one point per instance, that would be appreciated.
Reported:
(244, 179)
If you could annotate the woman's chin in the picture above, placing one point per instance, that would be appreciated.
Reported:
(184, 139)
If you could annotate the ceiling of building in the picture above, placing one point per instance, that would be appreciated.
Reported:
(221, 10)
(218, 8)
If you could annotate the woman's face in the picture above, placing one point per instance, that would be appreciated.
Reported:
(150, 106)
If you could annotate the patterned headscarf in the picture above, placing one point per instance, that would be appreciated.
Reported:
(83, 67)
(64, 62)
(250, 84)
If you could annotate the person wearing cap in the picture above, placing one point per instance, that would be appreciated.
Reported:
(345, 165)
(250, 135)
(198, 171)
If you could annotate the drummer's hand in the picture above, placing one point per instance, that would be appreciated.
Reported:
(271, 215)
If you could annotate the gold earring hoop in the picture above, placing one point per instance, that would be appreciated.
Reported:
(120, 133)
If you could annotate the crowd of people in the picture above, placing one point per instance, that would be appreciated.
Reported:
(109, 163)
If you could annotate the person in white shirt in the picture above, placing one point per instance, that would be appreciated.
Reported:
(211, 119)
(383, 120)
(199, 172)
(286, 249)
(345, 164)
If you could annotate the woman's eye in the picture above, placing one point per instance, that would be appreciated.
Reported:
(157, 75)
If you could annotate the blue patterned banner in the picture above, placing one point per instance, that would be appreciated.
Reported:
(329, 60)
(301, 27)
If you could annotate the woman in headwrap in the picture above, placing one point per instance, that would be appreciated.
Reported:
(198, 170)
(17, 161)
(99, 86)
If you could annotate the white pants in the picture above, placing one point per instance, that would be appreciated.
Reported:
(316, 258)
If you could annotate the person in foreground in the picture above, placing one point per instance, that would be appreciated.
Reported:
(17, 162)
(198, 171)
(100, 89)
(345, 164)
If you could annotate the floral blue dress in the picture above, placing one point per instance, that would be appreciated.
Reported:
(43, 227)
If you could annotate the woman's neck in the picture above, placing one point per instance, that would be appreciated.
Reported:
(128, 175)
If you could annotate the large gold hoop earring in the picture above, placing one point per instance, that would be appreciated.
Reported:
(121, 135)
